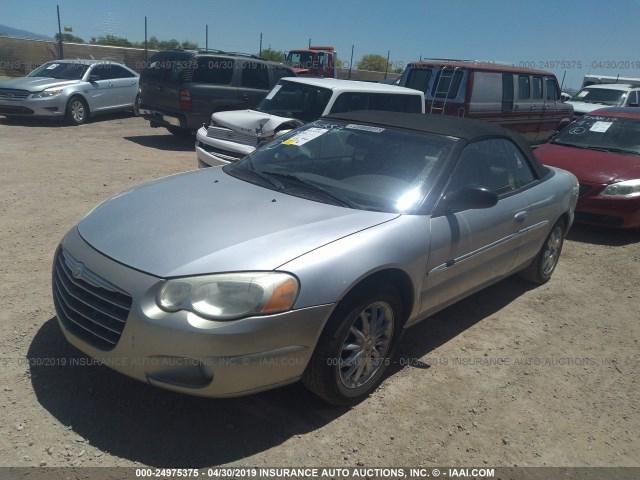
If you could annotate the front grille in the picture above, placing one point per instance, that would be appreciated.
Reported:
(584, 189)
(11, 94)
(232, 136)
(10, 109)
(87, 305)
(224, 154)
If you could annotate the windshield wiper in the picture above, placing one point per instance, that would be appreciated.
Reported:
(344, 202)
(613, 150)
(266, 178)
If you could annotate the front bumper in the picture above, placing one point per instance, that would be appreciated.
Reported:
(34, 107)
(181, 351)
(618, 213)
(212, 152)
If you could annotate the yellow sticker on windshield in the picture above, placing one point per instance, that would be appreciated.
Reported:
(305, 136)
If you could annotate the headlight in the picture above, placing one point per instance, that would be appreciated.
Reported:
(213, 123)
(49, 92)
(231, 295)
(628, 188)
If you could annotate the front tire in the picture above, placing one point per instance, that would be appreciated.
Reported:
(77, 111)
(545, 262)
(356, 346)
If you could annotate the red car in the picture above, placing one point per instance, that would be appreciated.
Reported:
(602, 149)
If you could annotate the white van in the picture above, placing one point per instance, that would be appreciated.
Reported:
(293, 102)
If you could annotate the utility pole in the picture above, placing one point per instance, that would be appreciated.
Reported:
(260, 54)
(206, 38)
(351, 61)
(387, 67)
(146, 46)
(60, 52)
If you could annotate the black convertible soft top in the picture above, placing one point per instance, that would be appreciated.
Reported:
(465, 128)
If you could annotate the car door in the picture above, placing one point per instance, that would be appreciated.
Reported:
(472, 248)
(528, 105)
(254, 83)
(99, 92)
(124, 86)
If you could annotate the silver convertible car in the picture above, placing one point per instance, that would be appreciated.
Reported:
(73, 89)
(308, 258)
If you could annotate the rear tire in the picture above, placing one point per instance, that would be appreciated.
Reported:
(356, 345)
(77, 111)
(545, 262)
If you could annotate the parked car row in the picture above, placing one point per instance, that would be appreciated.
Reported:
(320, 240)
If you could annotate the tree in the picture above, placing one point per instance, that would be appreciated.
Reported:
(373, 62)
(67, 37)
(273, 55)
(113, 40)
(187, 45)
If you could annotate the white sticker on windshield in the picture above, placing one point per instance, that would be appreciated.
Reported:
(366, 128)
(600, 127)
(273, 92)
(52, 66)
(304, 137)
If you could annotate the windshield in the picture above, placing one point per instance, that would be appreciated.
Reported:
(604, 96)
(352, 165)
(296, 100)
(64, 71)
(618, 134)
(300, 59)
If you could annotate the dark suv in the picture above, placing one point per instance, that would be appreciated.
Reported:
(180, 89)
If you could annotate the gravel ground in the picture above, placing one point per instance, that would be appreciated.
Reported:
(513, 375)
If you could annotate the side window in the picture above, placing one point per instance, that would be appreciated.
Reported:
(118, 72)
(418, 79)
(507, 92)
(214, 70)
(496, 164)
(536, 88)
(633, 100)
(101, 71)
(447, 83)
(255, 75)
(524, 89)
(552, 90)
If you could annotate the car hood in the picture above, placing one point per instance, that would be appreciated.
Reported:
(250, 122)
(584, 107)
(35, 84)
(590, 166)
(208, 221)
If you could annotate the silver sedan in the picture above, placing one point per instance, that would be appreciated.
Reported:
(73, 89)
(308, 258)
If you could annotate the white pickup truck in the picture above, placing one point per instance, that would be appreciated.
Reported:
(595, 96)
(295, 101)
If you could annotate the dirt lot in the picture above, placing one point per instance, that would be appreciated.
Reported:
(511, 376)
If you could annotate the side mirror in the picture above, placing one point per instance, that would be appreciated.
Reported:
(468, 198)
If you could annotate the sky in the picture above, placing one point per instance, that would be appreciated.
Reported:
(568, 37)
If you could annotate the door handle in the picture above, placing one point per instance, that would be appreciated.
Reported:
(520, 216)
(245, 96)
